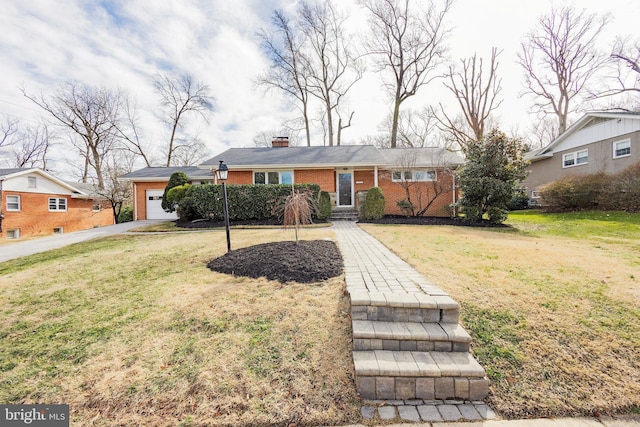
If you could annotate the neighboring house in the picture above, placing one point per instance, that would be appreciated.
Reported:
(599, 141)
(36, 203)
(346, 172)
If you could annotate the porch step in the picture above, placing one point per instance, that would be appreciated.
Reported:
(404, 375)
(417, 308)
(409, 336)
(344, 215)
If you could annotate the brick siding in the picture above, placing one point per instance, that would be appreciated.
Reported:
(35, 219)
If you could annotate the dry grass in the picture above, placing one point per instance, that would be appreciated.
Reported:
(555, 320)
(136, 330)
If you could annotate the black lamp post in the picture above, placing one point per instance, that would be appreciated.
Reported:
(223, 173)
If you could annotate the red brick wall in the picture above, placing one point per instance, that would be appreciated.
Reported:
(139, 193)
(240, 177)
(325, 178)
(34, 218)
(393, 192)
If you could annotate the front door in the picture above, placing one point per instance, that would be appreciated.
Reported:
(345, 188)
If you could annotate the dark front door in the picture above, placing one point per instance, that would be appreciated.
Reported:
(345, 189)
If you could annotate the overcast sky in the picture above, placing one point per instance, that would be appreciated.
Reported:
(126, 43)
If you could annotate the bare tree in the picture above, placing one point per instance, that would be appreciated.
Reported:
(116, 192)
(621, 78)
(409, 44)
(8, 129)
(289, 67)
(476, 89)
(334, 67)
(129, 132)
(559, 60)
(91, 114)
(422, 186)
(189, 152)
(181, 96)
(32, 146)
(416, 128)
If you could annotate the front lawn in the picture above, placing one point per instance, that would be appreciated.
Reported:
(553, 305)
(136, 330)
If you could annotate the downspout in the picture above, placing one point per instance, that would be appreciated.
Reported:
(135, 201)
(375, 176)
(453, 187)
(1, 205)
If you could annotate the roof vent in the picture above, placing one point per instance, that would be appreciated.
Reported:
(280, 141)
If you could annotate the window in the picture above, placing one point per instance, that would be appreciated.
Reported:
(13, 203)
(57, 204)
(622, 148)
(273, 177)
(58, 230)
(96, 206)
(413, 175)
(535, 194)
(13, 234)
(576, 158)
(33, 183)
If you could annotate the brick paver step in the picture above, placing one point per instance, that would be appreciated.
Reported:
(409, 336)
(416, 363)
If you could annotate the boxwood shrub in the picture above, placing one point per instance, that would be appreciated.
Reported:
(246, 202)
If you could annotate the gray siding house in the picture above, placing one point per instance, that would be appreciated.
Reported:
(599, 141)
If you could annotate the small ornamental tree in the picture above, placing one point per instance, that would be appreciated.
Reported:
(490, 176)
(374, 204)
(176, 179)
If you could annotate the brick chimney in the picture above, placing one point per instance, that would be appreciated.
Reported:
(280, 141)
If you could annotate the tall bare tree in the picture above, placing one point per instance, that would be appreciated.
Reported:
(621, 78)
(91, 114)
(334, 67)
(289, 67)
(476, 89)
(559, 60)
(408, 41)
(180, 97)
(416, 128)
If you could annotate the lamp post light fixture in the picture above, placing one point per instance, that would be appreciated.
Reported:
(223, 173)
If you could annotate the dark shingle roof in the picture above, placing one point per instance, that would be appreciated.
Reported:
(193, 172)
(9, 171)
(343, 155)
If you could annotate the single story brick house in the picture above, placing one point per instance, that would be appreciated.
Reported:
(598, 141)
(35, 203)
(346, 172)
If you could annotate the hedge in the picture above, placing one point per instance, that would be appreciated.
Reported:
(620, 191)
(246, 202)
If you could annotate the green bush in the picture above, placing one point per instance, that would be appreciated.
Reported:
(186, 209)
(374, 204)
(246, 202)
(622, 191)
(125, 215)
(324, 206)
(176, 194)
(406, 207)
(572, 193)
(519, 200)
(175, 180)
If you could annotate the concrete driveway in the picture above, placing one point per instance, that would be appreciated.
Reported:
(29, 247)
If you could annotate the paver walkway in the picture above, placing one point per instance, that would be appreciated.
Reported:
(377, 277)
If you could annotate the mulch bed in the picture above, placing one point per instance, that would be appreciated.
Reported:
(306, 261)
(432, 220)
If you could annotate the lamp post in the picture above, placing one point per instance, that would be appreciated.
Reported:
(223, 173)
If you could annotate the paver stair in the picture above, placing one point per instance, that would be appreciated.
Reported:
(344, 214)
(410, 346)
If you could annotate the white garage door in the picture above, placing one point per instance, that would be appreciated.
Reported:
(154, 206)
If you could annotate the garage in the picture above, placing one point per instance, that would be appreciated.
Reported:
(154, 206)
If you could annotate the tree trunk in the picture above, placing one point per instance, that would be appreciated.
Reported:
(394, 124)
